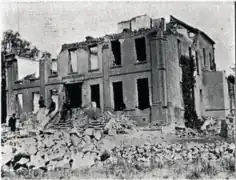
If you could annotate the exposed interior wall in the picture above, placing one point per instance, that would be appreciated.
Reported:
(63, 64)
(140, 22)
(123, 25)
(159, 23)
(26, 67)
(135, 23)
(73, 61)
(83, 64)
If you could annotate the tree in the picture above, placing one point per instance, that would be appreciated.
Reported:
(34, 52)
(13, 43)
(10, 40)
(46, 53)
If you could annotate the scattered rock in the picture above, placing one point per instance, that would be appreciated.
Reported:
(75, 140)
(105, 155)
(89, 131)
(97, 135)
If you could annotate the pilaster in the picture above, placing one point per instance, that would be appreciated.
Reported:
(106, 78)
(159, 109)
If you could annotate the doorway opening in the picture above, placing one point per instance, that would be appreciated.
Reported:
(118, 96)
(143, 94)
(74, 94)
(95, 94)
(55, 97)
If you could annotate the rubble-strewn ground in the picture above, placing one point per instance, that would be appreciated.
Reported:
(136, 153)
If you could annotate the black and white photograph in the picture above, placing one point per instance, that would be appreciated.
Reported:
(118, 90)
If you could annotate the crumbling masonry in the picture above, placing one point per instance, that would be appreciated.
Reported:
(136, 71)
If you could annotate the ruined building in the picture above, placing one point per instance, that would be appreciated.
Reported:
(137, 70)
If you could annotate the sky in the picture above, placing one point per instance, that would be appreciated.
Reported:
(48, 25)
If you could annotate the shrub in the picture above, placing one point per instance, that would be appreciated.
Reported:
(208, 168)
(228, 164)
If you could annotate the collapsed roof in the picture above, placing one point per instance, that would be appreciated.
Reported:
(174, 20)
(142, 24)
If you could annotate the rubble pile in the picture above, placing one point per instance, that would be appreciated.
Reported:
(52, 150)
(73, 150)
(118, 124)
(111, 123)
(165, 152)
(223, 126)
(218, 126)
(182, 132)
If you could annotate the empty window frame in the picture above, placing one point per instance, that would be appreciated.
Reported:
(197, 62)
(179, 49)
(19, 103)
(204, 57)
(201, 96)
(190, 52)
(116, 50)
(93, 58)
(211, 62)
(143, 93)
(73, 61)
(54, 67)
(36, 96)
(118, 96)
(95, 94)
(140, 46)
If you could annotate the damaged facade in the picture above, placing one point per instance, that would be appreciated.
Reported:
(136, 71)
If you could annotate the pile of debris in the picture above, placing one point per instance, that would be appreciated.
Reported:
(223, 126)
(185, 153)
(111, 123)
(52, 150)
(182, 132)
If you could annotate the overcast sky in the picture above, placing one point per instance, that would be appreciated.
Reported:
(49, 25)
